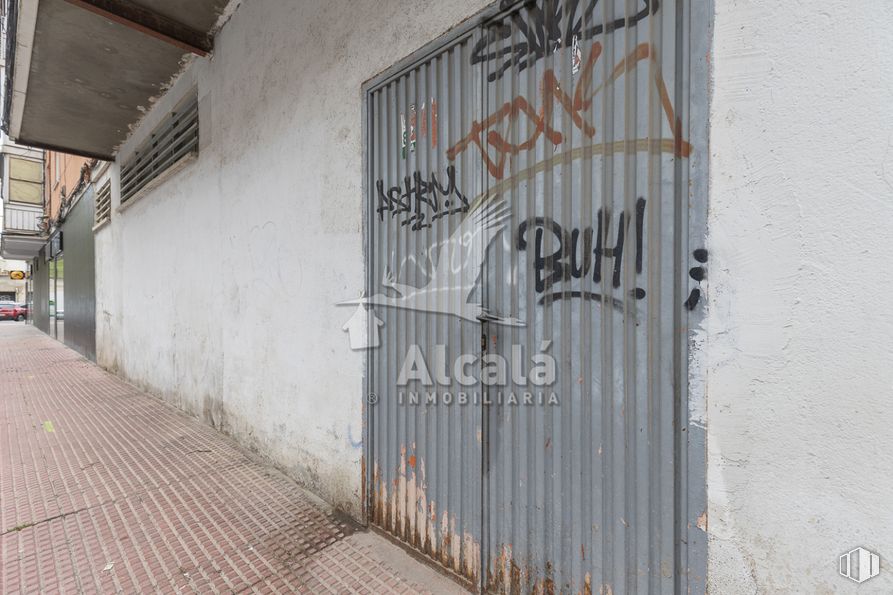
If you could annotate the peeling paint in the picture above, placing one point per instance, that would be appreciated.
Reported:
(225, 15)
(702, 521)
(405, 511)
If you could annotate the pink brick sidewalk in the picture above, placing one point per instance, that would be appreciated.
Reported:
(105, 489)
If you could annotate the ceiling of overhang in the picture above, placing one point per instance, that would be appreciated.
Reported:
(91, 78)
(201, 15)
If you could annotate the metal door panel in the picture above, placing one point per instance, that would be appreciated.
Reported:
(425, 456)
(582, 495)
(573, 135)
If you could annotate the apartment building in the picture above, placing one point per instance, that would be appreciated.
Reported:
(20, 226)
(23, 200)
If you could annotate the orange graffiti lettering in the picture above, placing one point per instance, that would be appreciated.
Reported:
(575, 107)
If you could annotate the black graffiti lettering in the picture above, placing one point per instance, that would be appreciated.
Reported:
(544, 29)
(577, 268)
(418, 198)
(638, 293)
(588, 296)
(389, 201)
(693, 298)
(553, 262)
(560, 255)
(640, 232)
(600, 218)
(698, 274)
(548, 269)
(617, 253)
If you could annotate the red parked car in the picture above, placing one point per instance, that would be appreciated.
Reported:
(13, 311)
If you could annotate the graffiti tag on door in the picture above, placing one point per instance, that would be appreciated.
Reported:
(486, 134)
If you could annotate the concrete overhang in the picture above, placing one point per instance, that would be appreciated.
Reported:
(20, 247)
(84, 72)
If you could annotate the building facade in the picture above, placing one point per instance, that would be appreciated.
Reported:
(520, 284)
(20, 227)
(64, 265)
(13, 287)
(23, 229)
(46, 196)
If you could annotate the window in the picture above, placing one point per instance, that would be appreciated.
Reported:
(103, 204)
(25, 181)
(172, 142)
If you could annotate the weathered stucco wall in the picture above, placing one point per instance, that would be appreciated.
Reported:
(216, 289)
(799, 328)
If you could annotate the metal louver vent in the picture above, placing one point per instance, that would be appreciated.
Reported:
(175, 139)
(104, 204)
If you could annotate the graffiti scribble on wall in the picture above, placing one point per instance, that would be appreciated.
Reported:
(408, 133)
(486, 134)
(546, 29)
(561, 255)
(420, 201)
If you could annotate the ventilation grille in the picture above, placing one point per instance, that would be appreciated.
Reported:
(175, 138)
(104, 204)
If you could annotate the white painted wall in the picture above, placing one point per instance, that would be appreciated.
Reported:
(800, 334)
(216, 289)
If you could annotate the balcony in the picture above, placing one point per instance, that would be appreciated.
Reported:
(22, 236)
(22, 219)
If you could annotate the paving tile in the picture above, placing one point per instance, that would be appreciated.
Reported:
(104, 488)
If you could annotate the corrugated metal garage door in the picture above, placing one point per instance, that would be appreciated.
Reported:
(531, 281)
(425, 456)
